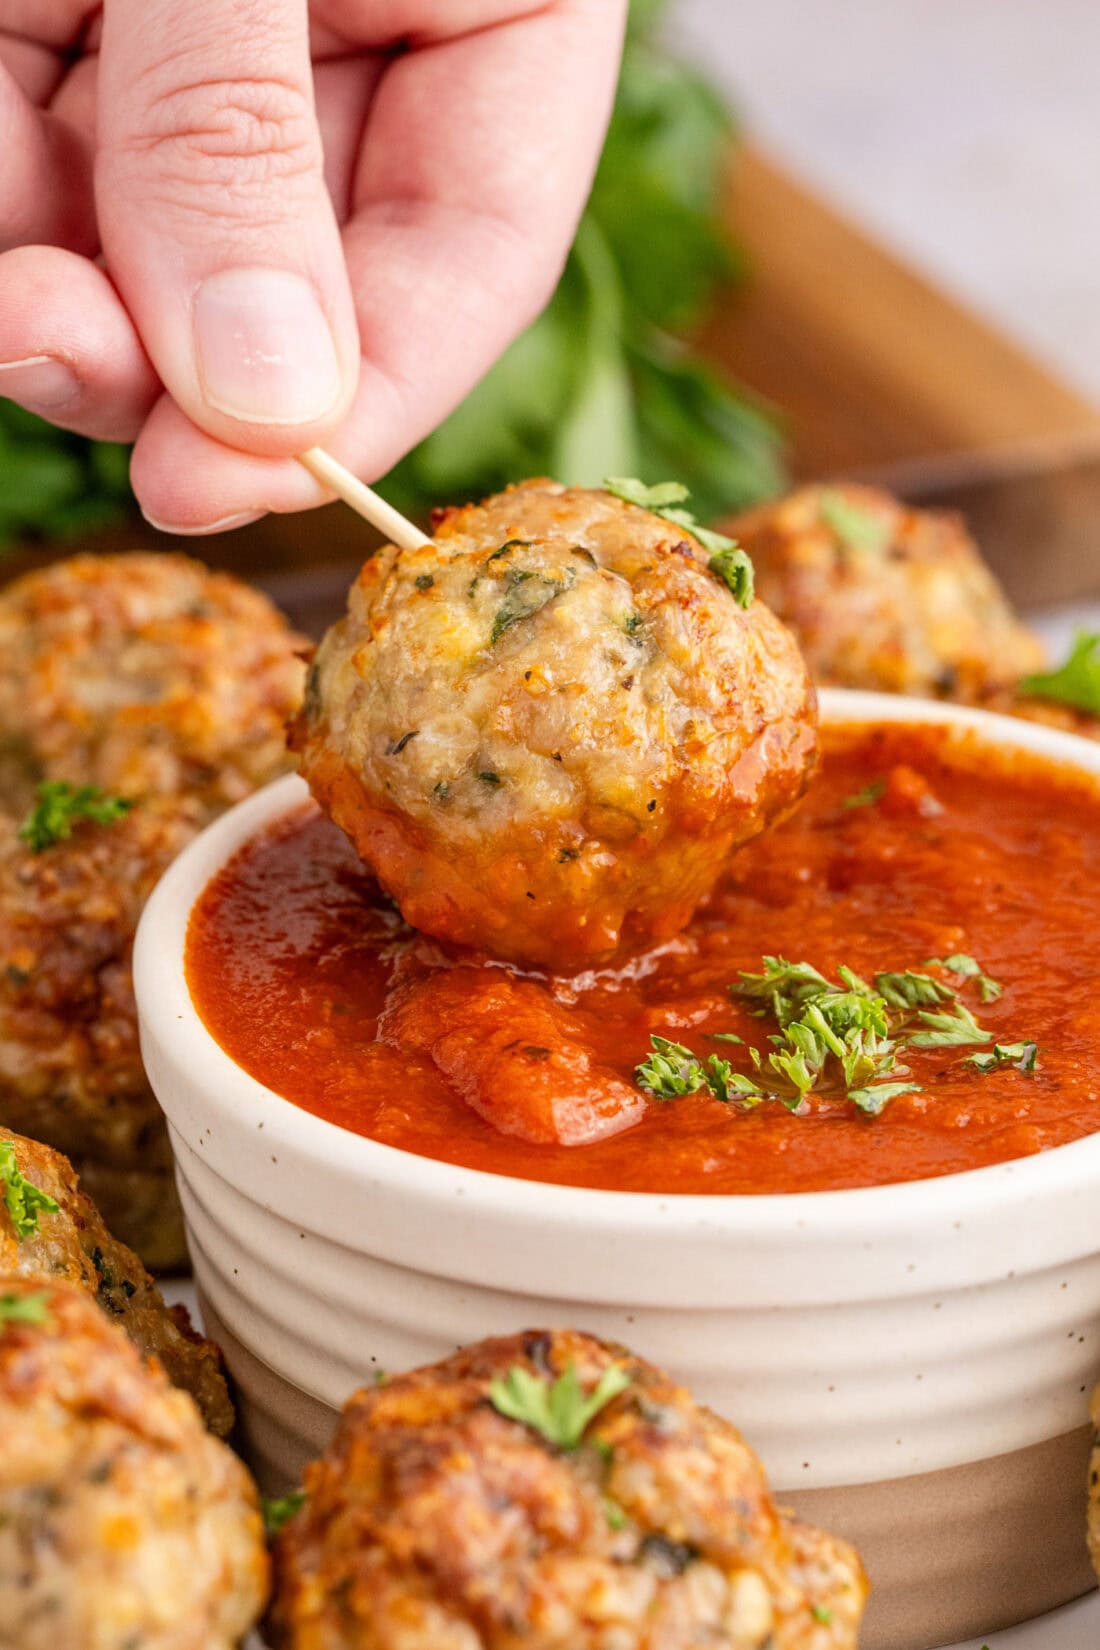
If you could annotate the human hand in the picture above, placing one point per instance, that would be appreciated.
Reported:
(310, 223)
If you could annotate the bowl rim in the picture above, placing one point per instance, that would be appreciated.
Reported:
(172, 1029)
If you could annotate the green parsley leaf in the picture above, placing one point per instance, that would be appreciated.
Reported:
(950, 1029)
(671, 1070)
(728, 562)
(60, 805)
(23, 1201)
(1023, 1056)
(822, 1613)
(279, 1511)
(1077, 681)
(968, 968)
(30, 1309)
(857, 528)
(867, 797)
(616, 1517)
(735, 568)
(561, 1411)
(873, 1100)
(526, 593)
(911, 990)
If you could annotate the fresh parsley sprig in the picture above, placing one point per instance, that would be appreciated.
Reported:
(59, 807)
(1076, 682)
(844, 1032)
(30, 1309)
(855, 526)
(279, 1510)
(560, 1411)
(666, 499)
(23, 1201)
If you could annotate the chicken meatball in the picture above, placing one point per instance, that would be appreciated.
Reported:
(71, 1243)
(123, 1524)
(70, 1066)
(882, 596)
(144, 674)
(546, 729)
(459, 1509)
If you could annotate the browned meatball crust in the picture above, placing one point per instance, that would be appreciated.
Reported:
(546, 729)
(123, 1524)
(74, 1245)
(435, 1522)
(70, 1065)
(883, 596)
(145, 674)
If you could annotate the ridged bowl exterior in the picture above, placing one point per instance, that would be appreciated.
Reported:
(890, 1349)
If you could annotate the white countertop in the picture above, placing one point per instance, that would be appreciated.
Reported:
(966, 134)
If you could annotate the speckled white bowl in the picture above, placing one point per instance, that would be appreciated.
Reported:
(911, 1362)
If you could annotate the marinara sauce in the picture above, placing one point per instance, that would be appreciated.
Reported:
(914, 843)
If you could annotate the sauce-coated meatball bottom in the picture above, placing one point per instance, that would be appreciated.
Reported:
(546, 729)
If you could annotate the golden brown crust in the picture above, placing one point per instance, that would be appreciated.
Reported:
(433, 1520)
(75, 1246)
(546, 730)
(123, 1524)
(71, 1071)
(902, 602)
(146, 674)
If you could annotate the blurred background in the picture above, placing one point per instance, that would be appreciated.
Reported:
(965, 134)
(853, 238)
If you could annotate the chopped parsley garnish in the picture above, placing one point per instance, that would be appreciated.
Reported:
(31, 1309)
(60, 805)
(279, 1511)
(735, 568)
(822, 1613)
(561, 1411)
(1077, 682)
(1023, 1056)
(856, 527)
(23, 1201)
(838, 1036)
(526, 593)
(867, 797)
(968, 968)
(666, 500)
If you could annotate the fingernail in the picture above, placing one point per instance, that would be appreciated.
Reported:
(224, 524)
(265, 349)
(40, 383)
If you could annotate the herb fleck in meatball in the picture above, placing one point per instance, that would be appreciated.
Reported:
(546, 730)
(458, 1509)
(72, 1244)
(882, 596)
(123, 1524)
(144, 674)
(70, 1066)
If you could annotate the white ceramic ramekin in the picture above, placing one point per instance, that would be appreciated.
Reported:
(911, 1362)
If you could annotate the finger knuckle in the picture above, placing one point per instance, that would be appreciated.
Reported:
(232, 136)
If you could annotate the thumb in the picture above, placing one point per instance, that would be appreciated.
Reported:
(216, 224)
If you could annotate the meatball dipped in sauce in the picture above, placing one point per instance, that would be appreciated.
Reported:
(883, 596)
(549, 1490)
(546, 729)
(123, 1524)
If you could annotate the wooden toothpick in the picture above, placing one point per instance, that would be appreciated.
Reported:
(339, 480)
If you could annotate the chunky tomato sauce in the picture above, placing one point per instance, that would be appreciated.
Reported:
(912, 844)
